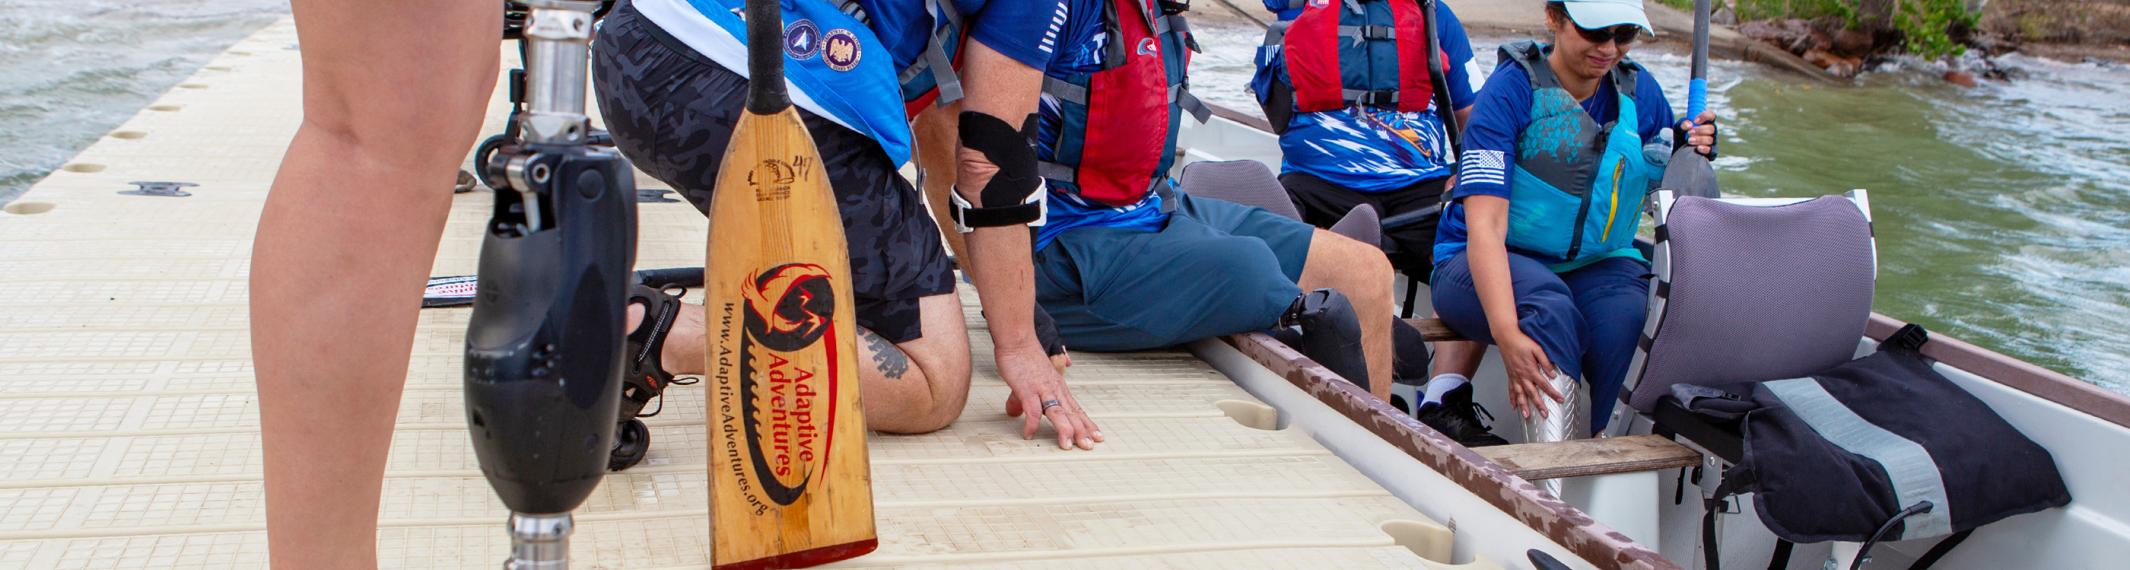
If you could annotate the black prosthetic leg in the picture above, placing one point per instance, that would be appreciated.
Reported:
(1331, 334)
(544, 347)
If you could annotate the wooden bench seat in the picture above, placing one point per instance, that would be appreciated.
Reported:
(1584, 457)
(1434, 330)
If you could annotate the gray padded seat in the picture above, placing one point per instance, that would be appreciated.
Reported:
(1246, 182)
(1362, 225)
(1753, 290)
(1251, 183)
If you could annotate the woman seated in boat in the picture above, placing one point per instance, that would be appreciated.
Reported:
(1348, 137)
(1535, 253)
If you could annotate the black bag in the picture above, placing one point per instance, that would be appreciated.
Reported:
(1879, 448)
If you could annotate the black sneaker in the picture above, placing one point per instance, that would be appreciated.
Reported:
(1458, 417)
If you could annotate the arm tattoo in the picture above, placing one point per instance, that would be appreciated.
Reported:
(886, 356)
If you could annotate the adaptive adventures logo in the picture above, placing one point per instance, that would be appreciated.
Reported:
(786, 388)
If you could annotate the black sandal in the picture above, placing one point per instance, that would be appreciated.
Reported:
(645, 378)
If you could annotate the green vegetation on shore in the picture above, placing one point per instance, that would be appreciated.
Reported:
(1925, 28)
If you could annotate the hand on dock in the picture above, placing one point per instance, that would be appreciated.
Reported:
(1039, 387)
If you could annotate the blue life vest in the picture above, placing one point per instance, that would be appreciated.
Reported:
(1576, 194)
(835, 60)
(1113, 138)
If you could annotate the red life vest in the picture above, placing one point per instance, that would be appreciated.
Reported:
(1366, 52)
(1116, 127)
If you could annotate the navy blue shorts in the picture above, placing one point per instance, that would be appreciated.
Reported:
(672, 110)
(1216, 268)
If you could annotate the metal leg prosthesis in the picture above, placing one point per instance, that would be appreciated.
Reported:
(543, 369)
(1564, 420)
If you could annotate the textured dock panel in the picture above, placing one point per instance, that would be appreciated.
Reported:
(129, 423)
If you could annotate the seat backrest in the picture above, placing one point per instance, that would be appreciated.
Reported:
(1753, 290)
(1246, 182)
(1361, 224)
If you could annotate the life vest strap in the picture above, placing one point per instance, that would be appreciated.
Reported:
(1179, 93)
(1384, 98)
(1176, 24)
(1191, 104)
(942, 69)
(947, 20)
(1368, 33)
(1064, 90)
(1069, 175)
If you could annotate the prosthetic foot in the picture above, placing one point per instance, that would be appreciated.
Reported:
(1331, 334)
(543, 370)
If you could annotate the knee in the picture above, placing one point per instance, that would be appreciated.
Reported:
(435, 122)
(945, 376)
(1359, 270)
(950, 394)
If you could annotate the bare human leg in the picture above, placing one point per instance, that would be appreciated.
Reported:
(917, 386)
(1361, 273)
(391, 104)
(1459, 357)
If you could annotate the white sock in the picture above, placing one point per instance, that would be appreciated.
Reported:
(1440, 385)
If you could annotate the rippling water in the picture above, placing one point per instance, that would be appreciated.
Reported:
(71, 70)
(2003, 213)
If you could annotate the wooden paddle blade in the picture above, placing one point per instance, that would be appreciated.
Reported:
(790, 483)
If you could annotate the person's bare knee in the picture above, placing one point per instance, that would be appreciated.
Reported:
(921, 384)
(406, 103)
(943, 354)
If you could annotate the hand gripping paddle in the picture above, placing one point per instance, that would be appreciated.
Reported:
(1689, 173)
(790, 484)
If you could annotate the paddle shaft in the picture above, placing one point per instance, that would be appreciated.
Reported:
(1438, 76)
(1697, 88)
(1690, 173)
(765, 58)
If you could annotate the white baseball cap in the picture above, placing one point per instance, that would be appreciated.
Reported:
(1601, 14)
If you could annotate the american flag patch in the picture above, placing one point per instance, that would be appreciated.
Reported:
(1483, 166)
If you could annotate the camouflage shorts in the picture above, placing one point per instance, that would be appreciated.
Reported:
(671, 112)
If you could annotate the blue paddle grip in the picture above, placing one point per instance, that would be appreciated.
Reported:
(1696, 98)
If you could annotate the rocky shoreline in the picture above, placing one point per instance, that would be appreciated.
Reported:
(2076, 31)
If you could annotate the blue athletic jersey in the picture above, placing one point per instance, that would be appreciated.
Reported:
(1061, 37)
(1502, 113)
(1029, 31)
(905, 26)
(1369, 149)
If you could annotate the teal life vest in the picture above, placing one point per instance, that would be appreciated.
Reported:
(1576, 194)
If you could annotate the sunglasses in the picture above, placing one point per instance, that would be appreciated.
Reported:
(1625, 35)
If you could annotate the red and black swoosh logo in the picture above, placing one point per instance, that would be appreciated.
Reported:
(784, 396)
